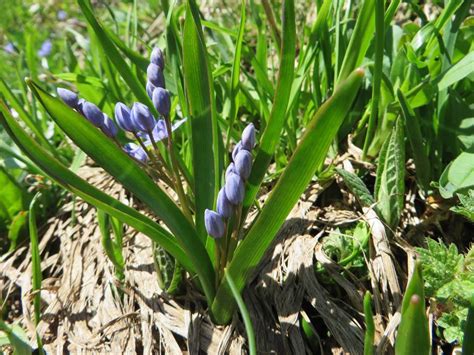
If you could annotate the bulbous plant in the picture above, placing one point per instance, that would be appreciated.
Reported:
(204, 225)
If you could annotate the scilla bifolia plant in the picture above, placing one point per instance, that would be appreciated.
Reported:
(204, 225)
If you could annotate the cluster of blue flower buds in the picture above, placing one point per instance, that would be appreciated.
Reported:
(138, 120)
(232, 193)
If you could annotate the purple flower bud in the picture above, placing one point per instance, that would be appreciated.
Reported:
(123, 117)
(61, 15)
(234, 188)
(80, 106)
(157, 58)
(93, 113)
(45, 49)
(224, 207)
(149, 89)
(109, 127)
(142, 118)
(237, 148)
(248, 137)
(70, 98)
(230, 169)
(243, 163)
(135, 151)
(155, 75)
(162, 102)
(9, 48)
(214, 224)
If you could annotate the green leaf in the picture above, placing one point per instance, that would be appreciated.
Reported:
(466, 207)
(307, 158)
(390, 183)
(245, 314)
(88, 193)
(457, 72)
(17, 229)
(271, 136)
(205, 135)
(369, 325)
(13, 197)
(360, 39)
(417, 143)
(468, 341)
(413, 333)
(357, 187)
(115, 57)
(17, 338)
(458, 176)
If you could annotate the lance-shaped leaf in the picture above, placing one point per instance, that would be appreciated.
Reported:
(117, 163)
(307, 158)
(70, 181)
(413, 333)
(197, 81)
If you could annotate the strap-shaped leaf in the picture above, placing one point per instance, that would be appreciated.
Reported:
(307, 158)
(118, 164)
(70, 181)
(197, 81)
(271, 135)
(115, 57)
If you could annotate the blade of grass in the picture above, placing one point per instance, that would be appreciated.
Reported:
(271, 135)
(205, 135)
(307, 158)
(377, 77)
(360, 39)
(245, 314)
(369, 325)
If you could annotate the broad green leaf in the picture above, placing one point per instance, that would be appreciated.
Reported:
(271, 136)
(390, 183)
(70, 181)
(457, 72)
(413, 333)
(115, 57)
(360, 39)
(134, 57)
(307, 158)
(417, 143)
(458, 176)
(17, 228)
(357, 187)
(205, 134)
(369, 325)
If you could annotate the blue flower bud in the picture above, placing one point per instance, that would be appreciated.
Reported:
(123, 117)
(109, 127)
(234, 188)
(237, 148)
(135, 151)
(45, 49)
(149, 89)
(157, 58)
(224, 207)
(214, 224)
(230, 169)
(248, 137)
(162, 102)
(155, 75)
(142, 118)
(243, 163)
(80, 106)
(93, 113)
(70, 98)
